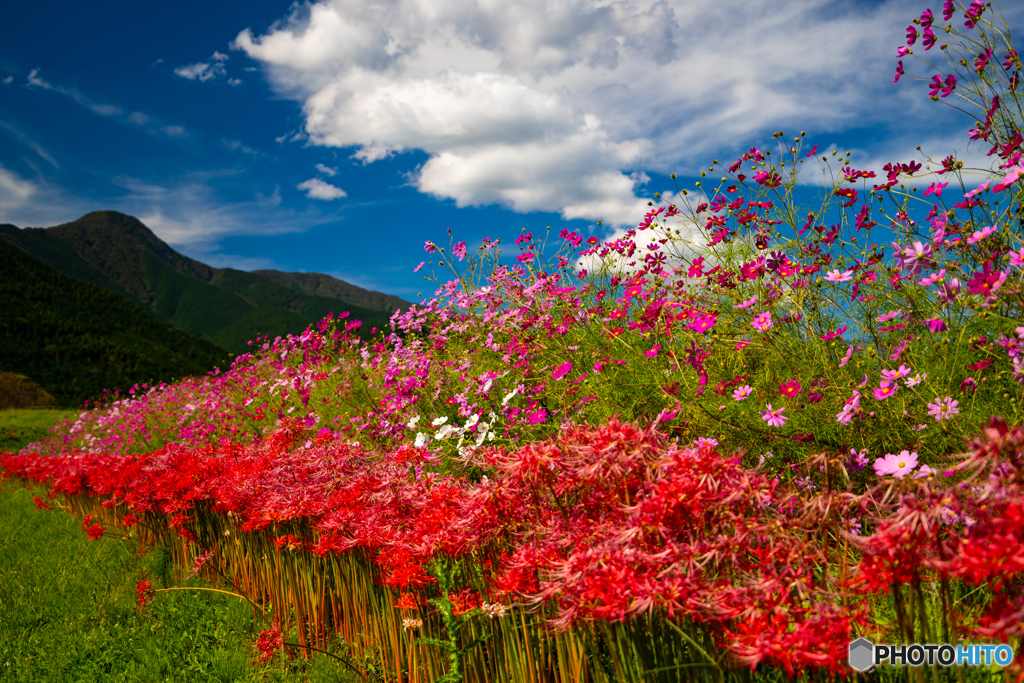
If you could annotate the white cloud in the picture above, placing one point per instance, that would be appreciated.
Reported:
(14, 192)
(545, 105)
(174, 131)
(201, 71)
(318, 189)
(9, 80)
(238, 146)
(234, 81)
(326, 170)
(219, 57)
(29, 142)
(148, 123)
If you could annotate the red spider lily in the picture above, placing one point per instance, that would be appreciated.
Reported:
(267, 645)
(143, 592)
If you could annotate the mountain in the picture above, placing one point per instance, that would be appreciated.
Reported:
(222, 305)
(75, 338)
(318, 284)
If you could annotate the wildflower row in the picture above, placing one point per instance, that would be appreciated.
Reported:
(604, 528)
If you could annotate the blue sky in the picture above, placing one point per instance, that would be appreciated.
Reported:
(338, 136)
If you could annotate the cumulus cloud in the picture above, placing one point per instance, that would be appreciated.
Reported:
(318, 189)
(9, 80)
(554, 106)
(326, 170)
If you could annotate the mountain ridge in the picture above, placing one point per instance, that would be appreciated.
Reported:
(223, 305)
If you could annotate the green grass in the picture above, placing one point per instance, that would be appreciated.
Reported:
(18, 428)
(68, 607)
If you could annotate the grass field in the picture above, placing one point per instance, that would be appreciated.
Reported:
(68, 607)
(18, 428)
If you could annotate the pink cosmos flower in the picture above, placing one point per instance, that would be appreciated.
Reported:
(460, 250)
(836, 276)
(429, 247)
(419, 267)
(979, 189)
(703, 323)
(885, 389)
(834, 334)
(943, 409)
(893, 375)
(979, 235)
(773, 417)
(899, 67)
(537, 416)
(860, 458)
(1017, 258)
(924, 472)
(935, 189)
(847, 357)
(936, 325)
(886, 317)
(933, 278)
(653, 353)
(561, 370)
(896, 465)
(742, 344)
(748, 303)
(741, 393)
(1013, 176)
(949, 290)
(763, 322)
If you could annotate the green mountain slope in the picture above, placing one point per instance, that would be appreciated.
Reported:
(318, 284)
(225, 306)
(75, 339)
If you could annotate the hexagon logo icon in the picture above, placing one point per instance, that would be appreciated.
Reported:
(862, 654)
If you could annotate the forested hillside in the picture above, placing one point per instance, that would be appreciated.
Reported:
(75, 339)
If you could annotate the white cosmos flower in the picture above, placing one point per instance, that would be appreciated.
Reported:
(421, 440)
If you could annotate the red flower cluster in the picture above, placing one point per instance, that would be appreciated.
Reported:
(602, 523)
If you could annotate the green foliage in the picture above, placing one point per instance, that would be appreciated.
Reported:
(453, 623)
(75, 339)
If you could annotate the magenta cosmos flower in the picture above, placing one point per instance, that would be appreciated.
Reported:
(896, 465)
(886, 389)
(763, 322)
(790, 388)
